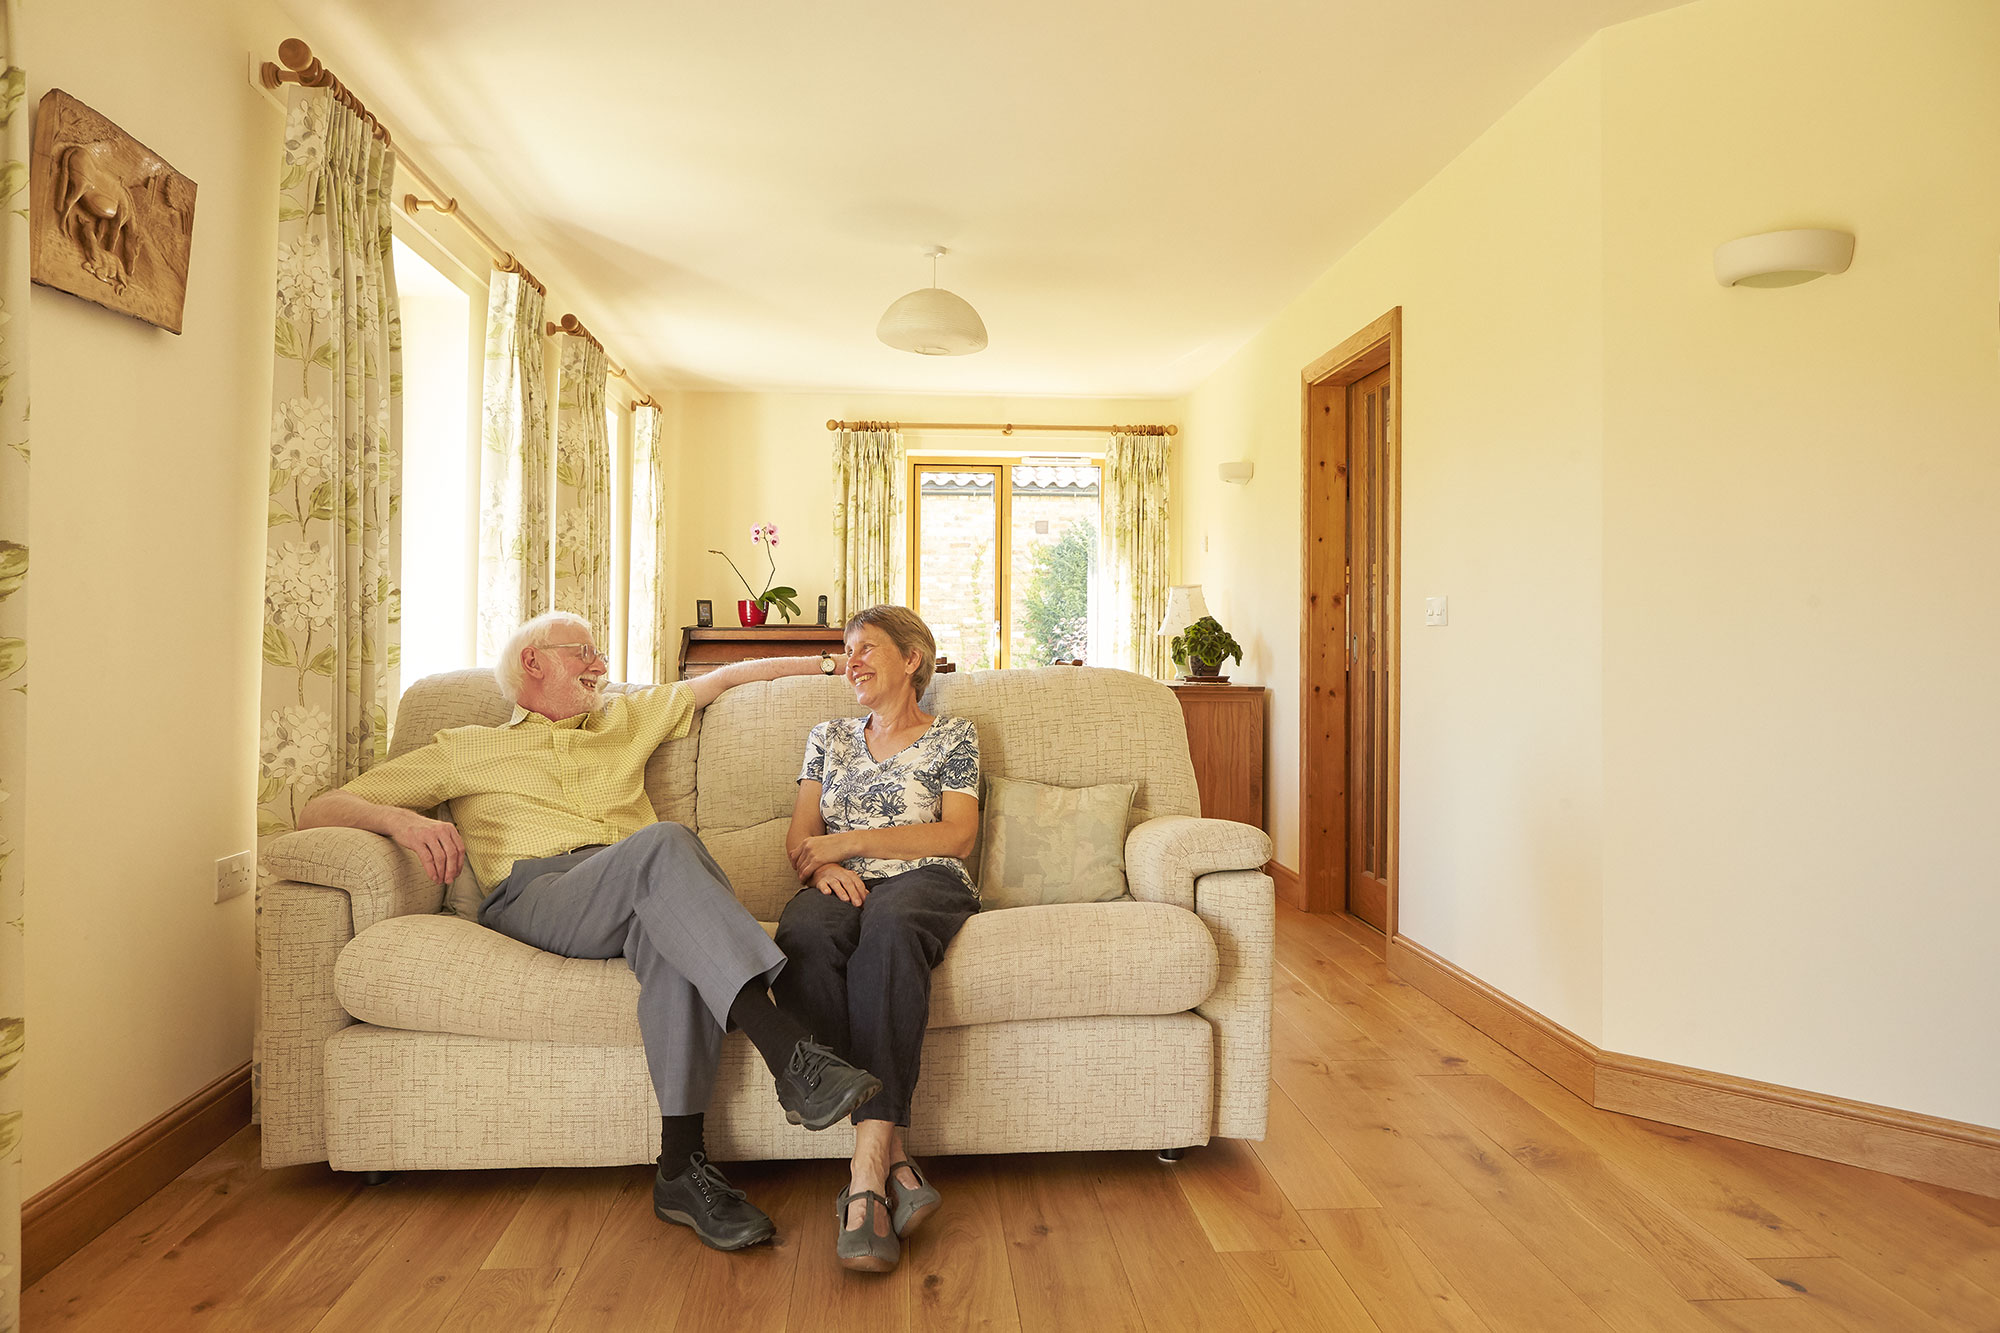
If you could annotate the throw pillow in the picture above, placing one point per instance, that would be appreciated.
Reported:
(1043, 844)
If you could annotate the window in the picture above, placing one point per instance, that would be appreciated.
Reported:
(440, 476)
(1004, 555)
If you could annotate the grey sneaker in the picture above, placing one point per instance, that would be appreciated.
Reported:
(723, 1218)
(818, 1087)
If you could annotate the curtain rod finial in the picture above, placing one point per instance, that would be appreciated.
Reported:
(832, 424)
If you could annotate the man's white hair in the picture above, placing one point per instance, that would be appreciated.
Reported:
(547, 628)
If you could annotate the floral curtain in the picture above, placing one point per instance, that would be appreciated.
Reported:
(333, 549)
(1135, 551)
(583, 485)
(331, 559)
(646, 646)
(868, 528)
(513, 464)
(13, 639)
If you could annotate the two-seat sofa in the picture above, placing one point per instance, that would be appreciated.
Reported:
(398, 1037)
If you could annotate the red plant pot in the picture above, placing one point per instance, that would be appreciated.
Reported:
(751, 613)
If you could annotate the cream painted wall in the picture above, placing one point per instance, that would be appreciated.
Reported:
(1495, 264)
(1703, 766)
(1802, 752)
(745, 458)
(150, 471)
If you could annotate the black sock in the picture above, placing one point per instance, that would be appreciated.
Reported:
(771, 1030)
(680, 1139)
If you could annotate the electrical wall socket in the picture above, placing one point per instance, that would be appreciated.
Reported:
(234, 875)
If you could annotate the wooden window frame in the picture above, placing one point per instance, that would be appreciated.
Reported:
(1003, 484)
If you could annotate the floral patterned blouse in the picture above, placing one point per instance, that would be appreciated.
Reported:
(908, 787)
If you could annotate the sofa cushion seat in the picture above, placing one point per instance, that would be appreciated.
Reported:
(1077, 960)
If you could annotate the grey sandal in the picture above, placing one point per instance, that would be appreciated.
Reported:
(913, 1206)
(859, 1248)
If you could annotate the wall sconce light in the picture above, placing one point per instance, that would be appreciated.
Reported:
(1783, 258)
(1238, 472)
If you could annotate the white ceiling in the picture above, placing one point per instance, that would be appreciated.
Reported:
(730, 193)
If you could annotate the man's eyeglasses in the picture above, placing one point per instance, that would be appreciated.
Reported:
(587, 652)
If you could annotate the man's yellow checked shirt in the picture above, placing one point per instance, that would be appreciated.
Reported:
(534, 787)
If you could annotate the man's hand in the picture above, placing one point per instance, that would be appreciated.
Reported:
(816, 852)
(437, 842)
(841, 882)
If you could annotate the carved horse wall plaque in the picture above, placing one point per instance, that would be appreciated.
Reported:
(108, 219)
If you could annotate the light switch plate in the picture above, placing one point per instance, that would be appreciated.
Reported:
(234, 876)
(1434, 610)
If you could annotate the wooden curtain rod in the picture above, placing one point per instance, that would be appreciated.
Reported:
(503, 260)
(304, 69)
(573, 326)
(1006, 429)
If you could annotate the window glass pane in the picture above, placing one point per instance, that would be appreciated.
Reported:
(1051, 555)
(958, 524)
(437, 611)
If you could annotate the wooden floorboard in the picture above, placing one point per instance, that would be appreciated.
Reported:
(1416, 1176)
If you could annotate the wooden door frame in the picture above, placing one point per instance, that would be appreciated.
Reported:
(1377, 345)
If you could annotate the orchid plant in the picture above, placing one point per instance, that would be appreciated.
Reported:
(766, 536)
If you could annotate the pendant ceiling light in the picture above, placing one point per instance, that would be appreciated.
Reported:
(931, 321)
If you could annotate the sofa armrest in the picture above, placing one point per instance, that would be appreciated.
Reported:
(1164, 857)
(1211, 868)
(321, 886)
(380, 879)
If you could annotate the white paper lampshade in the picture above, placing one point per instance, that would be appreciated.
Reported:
(1184, 607)
(932, 322)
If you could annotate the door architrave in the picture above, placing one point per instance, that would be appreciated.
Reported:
(1323, 690)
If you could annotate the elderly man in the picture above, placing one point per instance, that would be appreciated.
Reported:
(551, 809)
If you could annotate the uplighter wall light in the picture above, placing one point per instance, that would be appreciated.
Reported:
(1783, 258)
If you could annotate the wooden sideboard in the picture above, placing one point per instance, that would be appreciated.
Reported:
(1225, 728)
(703, 650)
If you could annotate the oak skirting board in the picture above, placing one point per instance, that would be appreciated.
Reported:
(1286, 881)
(1880, 1138)
(69, 1214)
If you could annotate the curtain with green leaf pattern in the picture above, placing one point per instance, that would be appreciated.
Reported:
(868, 526)
(648, 654)
(583, 486)
(1135, 551)
(513, 464)
(331, 559)
(13, 640)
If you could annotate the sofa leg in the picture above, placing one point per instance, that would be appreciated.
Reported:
(377, 1177)
(1170, 1155)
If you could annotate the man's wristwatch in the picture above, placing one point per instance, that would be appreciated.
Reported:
(826, 667)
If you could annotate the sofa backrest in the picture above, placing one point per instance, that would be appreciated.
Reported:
(733, 778)
(1067, 726)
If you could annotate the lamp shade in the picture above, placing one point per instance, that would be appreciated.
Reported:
(931, 321)
(1184, 607)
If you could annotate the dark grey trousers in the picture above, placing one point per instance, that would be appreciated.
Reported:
(658, 899)
(860, 977)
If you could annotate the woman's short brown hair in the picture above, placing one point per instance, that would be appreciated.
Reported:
(907, 630)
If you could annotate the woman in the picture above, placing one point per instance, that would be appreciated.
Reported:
(887, 805)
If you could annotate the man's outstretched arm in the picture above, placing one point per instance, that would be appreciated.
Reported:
(386, 800)
(709, 687)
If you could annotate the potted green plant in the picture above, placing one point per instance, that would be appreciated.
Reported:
(1203, 647)
(757, 607)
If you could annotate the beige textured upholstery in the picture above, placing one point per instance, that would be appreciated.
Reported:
(399, 1038)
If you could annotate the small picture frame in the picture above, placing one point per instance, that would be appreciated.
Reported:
(704, 614)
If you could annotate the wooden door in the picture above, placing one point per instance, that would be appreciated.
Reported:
(1370, 559)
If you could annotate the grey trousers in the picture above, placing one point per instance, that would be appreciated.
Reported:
(658, 899)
